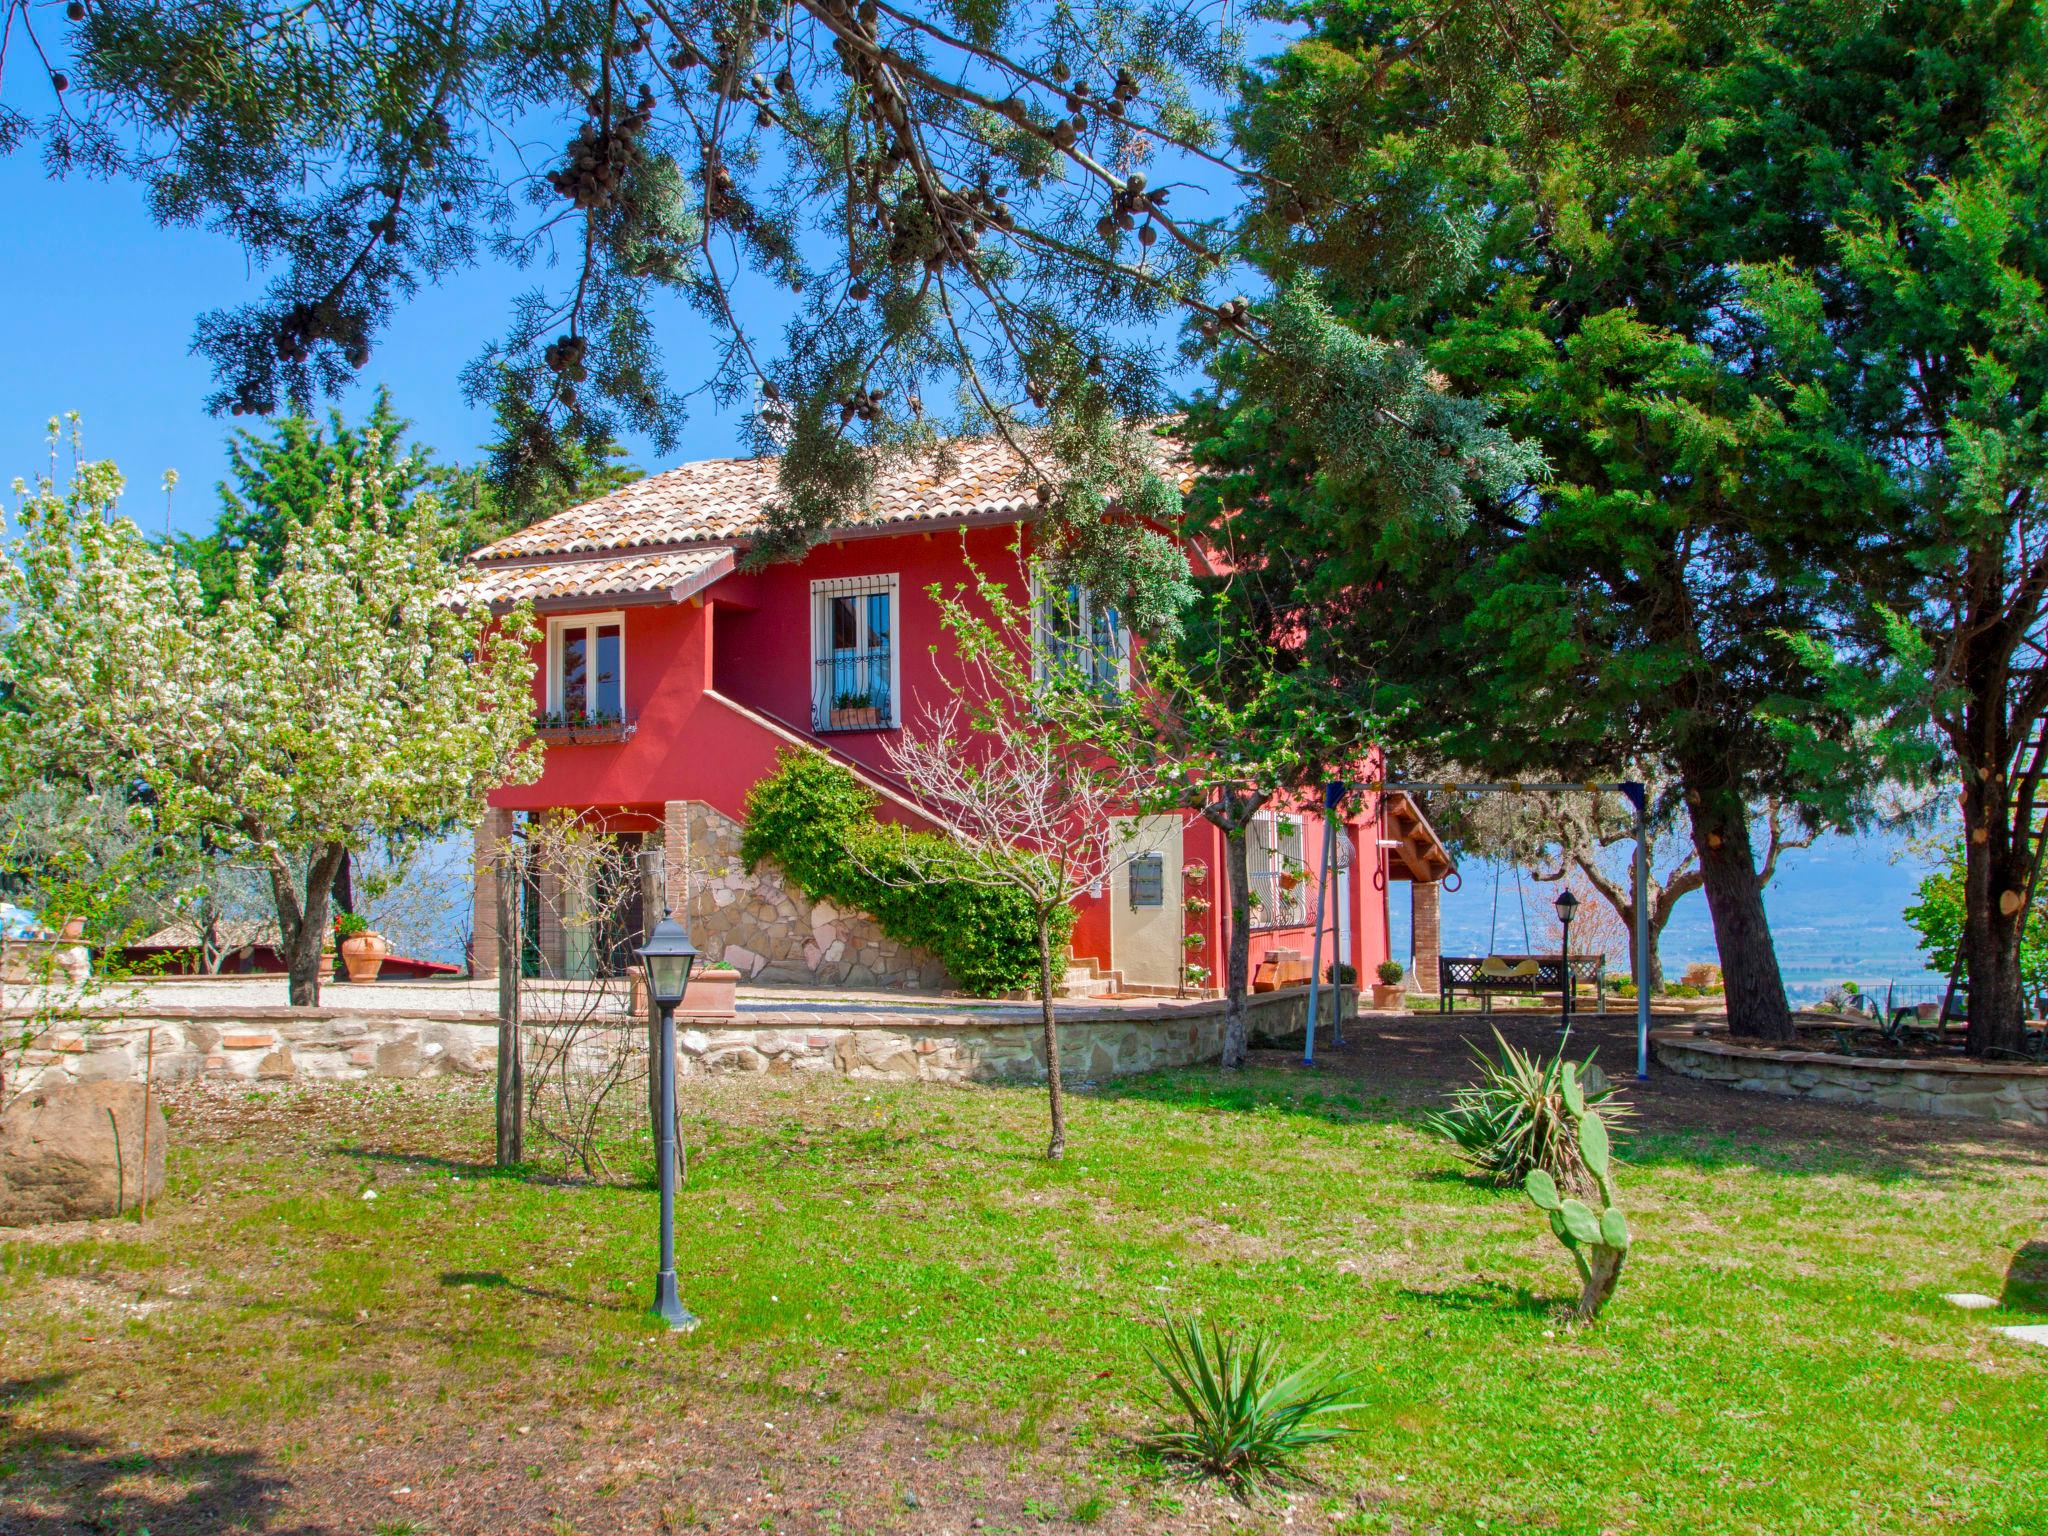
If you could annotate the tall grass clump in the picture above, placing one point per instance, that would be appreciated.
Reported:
(1239, 1415)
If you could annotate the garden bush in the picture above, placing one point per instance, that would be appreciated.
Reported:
(815, 821)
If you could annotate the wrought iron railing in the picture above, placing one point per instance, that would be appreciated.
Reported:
(560, 726)
(852, 692)
(1279, 898)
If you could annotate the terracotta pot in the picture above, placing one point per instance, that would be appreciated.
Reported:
(1389, 994)
(713, 994)
(363, 954)
(71, 930)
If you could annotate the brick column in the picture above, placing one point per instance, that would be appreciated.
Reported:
(675, 855)
(491, 833)
(1426, 930)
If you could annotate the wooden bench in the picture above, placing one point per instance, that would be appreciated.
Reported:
(1482, 976)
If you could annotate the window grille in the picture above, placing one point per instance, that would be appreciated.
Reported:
(854, 672)
(1076, 631)
(1279, 888)
(1148, 881)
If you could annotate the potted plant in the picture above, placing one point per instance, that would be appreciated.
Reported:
(556, 725)
(853, 711)
(1388, 992)
(362, 948)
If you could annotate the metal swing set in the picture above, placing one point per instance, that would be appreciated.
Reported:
(1631, 790)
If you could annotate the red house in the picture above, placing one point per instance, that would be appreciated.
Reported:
(671, 680)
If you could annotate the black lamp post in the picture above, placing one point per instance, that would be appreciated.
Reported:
(668, 955)
(1567, 908)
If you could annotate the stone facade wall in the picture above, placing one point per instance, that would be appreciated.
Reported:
(1961, 1090)
(932, 1045)
(264, 1044)
(769, 930)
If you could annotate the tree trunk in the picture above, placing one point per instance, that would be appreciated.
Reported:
(1659, 915)
(1237, 967)
(1994, 880)
(1754, 990)
(344, 887)
(302, 929)
(1057, 1147)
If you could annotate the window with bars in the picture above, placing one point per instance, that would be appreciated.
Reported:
(1279, 887)
(853, 631)
(1076, 630)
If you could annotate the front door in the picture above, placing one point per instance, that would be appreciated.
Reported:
(1144, 907)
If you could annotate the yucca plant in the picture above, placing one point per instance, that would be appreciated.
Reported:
(1513, 1120)
(1247, 1416)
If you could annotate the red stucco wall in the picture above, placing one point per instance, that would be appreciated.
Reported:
(747, 642)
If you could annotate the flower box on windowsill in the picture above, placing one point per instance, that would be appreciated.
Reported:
(868, 718)
(558, 730)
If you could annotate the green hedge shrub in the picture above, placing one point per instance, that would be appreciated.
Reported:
(816, 822)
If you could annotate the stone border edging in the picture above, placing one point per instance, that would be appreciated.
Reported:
(937, 1044)
(1957, 1090)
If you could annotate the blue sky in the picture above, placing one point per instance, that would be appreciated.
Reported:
(102, 324)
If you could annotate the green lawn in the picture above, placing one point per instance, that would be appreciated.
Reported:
(913, 1322)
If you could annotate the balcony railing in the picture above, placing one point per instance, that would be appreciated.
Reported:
(558, 727)
(851, 692)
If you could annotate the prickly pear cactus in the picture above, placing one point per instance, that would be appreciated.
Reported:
(1596, 1239)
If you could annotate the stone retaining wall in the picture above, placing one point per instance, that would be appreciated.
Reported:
(763, 925)
(1962, 1090)
(933, 1045)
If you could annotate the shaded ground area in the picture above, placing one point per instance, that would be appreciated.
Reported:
(342, 1321)
(1409, 1059)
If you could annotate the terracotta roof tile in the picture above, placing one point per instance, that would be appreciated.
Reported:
(720, 500)
(673, 573)
(673, 533)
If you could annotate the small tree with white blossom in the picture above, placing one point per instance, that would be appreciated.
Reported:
(343, 700)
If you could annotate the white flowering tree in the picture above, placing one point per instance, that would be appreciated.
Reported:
(341, 701)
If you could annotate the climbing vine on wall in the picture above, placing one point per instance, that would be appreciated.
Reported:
(816, 822)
